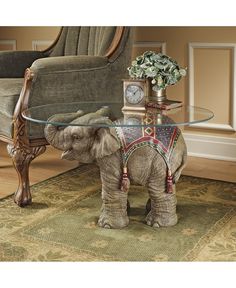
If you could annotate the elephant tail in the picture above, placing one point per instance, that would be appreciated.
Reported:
(169, 181)
(179, 170)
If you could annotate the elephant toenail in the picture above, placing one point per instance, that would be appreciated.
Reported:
(149, 223)
(107, 226)
(156, 225)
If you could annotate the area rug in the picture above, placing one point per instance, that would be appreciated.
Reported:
(61, 224)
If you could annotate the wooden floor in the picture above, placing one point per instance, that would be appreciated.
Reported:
(43, 167)
(49, 164)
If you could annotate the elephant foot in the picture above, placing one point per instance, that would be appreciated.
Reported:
(157, 220)
(116, 222)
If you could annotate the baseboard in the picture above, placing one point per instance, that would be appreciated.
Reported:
(211, 147)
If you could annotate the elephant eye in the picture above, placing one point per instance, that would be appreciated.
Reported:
(75, 136)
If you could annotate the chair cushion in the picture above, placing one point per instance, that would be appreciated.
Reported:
(10, 89)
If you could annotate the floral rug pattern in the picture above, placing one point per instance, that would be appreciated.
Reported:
(60, 225)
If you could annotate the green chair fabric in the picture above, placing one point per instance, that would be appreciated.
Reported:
(93, 41)
(9, 93)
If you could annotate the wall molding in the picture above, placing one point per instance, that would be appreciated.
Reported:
(9, 42)
(36, 43)
(161, 45)
(232, 125)
(213, 126)
(211, 147)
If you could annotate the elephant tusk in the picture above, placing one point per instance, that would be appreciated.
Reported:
(67, 154)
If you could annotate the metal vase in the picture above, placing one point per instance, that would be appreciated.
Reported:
(156, 96)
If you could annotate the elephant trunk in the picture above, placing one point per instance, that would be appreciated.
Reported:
(104, 111)
(59, 136)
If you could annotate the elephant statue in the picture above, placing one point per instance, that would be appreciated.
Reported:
(93, 139)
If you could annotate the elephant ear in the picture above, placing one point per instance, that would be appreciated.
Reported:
(105, 141)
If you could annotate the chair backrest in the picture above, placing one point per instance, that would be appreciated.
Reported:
(92, 41)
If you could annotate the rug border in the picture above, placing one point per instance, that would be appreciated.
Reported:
(206, 239)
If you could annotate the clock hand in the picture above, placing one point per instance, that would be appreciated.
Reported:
(136, 91)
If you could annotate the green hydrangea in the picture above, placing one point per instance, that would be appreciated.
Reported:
(161, 69)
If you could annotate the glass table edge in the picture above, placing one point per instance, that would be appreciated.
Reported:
(183, 123)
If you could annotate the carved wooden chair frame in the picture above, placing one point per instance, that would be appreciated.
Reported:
(21, 148)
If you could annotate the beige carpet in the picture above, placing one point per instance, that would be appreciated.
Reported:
(61, 223)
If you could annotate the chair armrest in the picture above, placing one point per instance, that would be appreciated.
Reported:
(14, 63)
(68, 64)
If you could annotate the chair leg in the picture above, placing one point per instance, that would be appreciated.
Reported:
(21, 157)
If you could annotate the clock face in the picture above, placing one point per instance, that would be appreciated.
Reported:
(134, 94)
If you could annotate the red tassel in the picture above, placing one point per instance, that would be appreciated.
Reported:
(169, 182)
(125, 182)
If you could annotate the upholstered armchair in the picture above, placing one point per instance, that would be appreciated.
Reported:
(83, 64)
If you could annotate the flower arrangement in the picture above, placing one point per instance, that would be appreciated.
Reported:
(162, 70)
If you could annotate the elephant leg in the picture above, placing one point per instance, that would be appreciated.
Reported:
(128, 207)
(114, 200)
(162, 205)
(21, 158)
(114, 209)
(148, 206)
(163, 211)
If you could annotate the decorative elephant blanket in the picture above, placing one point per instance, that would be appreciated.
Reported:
(161, 138)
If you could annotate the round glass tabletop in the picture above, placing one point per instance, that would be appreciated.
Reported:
(184, 115)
